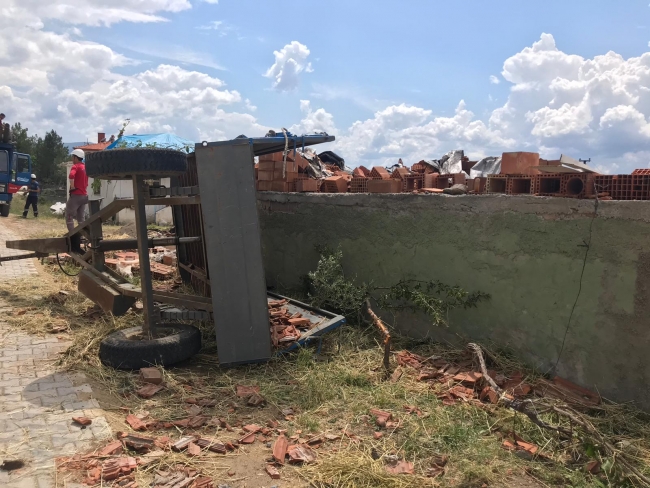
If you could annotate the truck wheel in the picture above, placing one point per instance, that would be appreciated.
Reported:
(173, 343)
(118, 164)
(4, 210)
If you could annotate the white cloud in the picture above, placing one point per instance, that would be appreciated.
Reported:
(290, 62)
(494, 80)
(97, 12)
(313, 121)
(50, 80)
(213, 25)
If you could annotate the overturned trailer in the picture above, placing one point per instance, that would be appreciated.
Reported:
(218, 247)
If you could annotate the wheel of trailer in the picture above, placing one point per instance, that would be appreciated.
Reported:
(119, 164)
(4, 210)
(170, 344)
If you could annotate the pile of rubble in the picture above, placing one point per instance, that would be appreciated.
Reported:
(286, 327)
(162, 262)
(514, 173)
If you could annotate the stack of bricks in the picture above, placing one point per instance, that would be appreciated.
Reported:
(519, 184)
(380, 181)
(577, 185)
(274, 174)
(548, 185)
(410, 181)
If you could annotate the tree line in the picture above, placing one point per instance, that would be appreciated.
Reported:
(47, 153)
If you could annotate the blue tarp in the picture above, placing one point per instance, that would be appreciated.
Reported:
(165, 141)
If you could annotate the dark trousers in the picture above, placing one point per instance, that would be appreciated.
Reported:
(33, 201)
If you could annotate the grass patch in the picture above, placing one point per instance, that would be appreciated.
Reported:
(332, 392)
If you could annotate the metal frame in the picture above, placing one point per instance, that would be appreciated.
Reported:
(229, 236)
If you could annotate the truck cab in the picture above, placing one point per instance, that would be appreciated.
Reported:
(15, 172)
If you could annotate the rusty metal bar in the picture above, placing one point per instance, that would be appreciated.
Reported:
(146, 287)
(22, 256)
(384, 331)
(123, 244)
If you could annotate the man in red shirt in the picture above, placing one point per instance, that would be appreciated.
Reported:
(76, 206)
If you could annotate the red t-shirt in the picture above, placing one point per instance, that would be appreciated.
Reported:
(78, 174)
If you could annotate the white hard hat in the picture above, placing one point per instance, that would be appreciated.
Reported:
(33, 176)
(79, 153)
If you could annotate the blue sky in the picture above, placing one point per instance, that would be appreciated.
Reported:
(370, 54)
(386, 78)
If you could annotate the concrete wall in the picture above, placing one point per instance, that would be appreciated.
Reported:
(527, 252)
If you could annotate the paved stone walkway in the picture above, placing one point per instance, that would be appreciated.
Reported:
(37, 402)
(13, 269)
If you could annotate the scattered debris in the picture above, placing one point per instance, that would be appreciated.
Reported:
(149, 390)
(151, 375)
(400, 467)
(84, 421)
(273, 472)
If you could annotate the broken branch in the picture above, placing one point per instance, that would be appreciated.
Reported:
(384, 331)
(525, 406)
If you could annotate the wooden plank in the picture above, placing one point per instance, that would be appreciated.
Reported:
(234, 251)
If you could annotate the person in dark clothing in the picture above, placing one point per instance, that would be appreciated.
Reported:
(34, 189)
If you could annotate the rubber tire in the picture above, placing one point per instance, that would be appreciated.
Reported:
(4, 210)
(124, 163)
(119, 352)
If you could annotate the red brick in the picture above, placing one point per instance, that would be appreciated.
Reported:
(266, 166)
(300, 322)
(148, 390)
(82, 420)
(193, 450)
(264, 185)
(431, 180)
(151, 375)
(278, 156)
(519, 163)
(380, 172)
(265, 175)
(169, 260)
(335, 184)
(135, 422)
(308, 185)
(273, 472)
(280, 449)
(400, 173)
(281, 186)
(385, 186)
(111, 449)
(291, 166)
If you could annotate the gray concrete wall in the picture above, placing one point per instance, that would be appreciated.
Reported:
(527, 252)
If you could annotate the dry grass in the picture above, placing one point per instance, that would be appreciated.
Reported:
(332, 392)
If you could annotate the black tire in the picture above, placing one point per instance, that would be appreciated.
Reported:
(4, 210)
(121, 349)
(118, 164)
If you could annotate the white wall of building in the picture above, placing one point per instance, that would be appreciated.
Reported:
(120, 189)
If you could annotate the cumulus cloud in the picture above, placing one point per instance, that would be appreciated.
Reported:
(494, 80)
(50, 80)
(290, 62)
(313, 120)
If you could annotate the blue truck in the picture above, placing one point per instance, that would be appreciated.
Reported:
(15, 171)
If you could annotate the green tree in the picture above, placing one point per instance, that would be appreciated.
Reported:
(49, 152)
(24, 142)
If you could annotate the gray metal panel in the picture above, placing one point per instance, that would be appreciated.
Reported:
(269, 145)
(234, 251)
